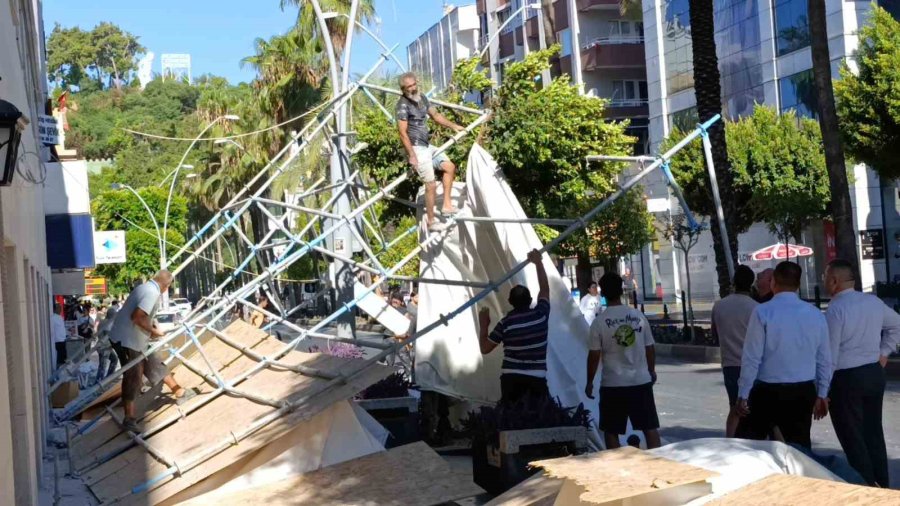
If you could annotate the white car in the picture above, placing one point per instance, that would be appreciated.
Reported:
(167, 321)
(182, 306)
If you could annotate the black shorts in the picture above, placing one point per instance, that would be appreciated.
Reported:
(618, 404)
(151, 367)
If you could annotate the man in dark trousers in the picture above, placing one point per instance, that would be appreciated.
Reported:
(786, 364)
(730, 316)
(863, 333)
(523, 333)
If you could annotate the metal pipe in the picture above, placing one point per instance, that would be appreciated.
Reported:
(720, 215)
(432, 100)
(533, 221)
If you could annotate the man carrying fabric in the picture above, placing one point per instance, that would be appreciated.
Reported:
(620, 336)
(131, 330)
(863, 333)
(523, 333)
(413, 111)
(786, 365)
(730, 317)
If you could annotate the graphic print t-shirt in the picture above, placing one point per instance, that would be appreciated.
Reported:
(622, 334)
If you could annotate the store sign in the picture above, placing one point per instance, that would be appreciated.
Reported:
(109, 247)
(48, 130)
(871, 242)
(95, 286)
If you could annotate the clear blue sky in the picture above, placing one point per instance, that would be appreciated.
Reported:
(218, 34)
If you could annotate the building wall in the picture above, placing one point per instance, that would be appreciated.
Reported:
(24, 284)
(434, 54)
(764, 57)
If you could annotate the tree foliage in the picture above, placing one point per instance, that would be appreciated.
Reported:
(121, 210)
(868, 101)
(107, 54)
(778, 171)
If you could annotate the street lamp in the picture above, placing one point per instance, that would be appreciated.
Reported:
(120, 186)
(10, 134)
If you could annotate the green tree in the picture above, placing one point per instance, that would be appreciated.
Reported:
(69, 54)
(121, 210)
(841, 209)
(868, 101)
(116, 52)
(106, 53)
(308, 27)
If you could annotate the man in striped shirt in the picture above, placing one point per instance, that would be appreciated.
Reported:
(523, 333)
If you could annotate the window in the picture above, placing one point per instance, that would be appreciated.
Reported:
(684, 120)
(629, 93)
(620, 29)
(798, 92)
(791, 26)
(565, 39)
(640, 131)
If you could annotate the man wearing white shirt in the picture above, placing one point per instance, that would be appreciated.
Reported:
(786, 364)
(590, 303)
(863, 333)
(58, 334)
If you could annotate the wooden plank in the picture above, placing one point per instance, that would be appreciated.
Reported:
(622, 473)
(790, 490)
(216, 421)
(408, 475)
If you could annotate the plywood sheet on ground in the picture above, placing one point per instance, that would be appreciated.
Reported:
(215, 422)
(788, 490)
(155, 407)
(622, 473)
(408, 475)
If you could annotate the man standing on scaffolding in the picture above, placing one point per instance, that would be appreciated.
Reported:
(413, 111)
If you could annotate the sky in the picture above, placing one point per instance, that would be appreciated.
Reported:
(218, 34)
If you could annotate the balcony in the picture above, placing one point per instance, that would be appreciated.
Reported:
(508, 44)
(598, 56)
(586, 5)
(620, 108)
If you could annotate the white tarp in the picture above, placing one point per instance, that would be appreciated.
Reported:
(740, 462)
(342, 432)
(448, 359)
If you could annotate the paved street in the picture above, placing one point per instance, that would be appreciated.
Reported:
(692, 404)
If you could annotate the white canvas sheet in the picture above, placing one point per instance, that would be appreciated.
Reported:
(342, 432)
(448, 359)
(741, 462)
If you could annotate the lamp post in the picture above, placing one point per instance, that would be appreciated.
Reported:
(120, 186)
(163, 262)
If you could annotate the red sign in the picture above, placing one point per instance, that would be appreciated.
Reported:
(781, 252)
(830, 241)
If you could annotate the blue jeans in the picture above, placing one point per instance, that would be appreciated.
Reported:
(732, 375)
(108, 363)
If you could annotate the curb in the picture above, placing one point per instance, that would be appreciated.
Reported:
(690, 353)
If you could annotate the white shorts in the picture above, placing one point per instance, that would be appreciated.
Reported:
(428, 162)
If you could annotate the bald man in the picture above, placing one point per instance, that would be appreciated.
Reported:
(130, 336)
(764, 291)
(863, 332)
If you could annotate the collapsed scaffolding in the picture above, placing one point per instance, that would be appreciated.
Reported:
(187, 345)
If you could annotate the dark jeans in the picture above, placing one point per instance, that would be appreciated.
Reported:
(732, 374)
(60, 353)
(857, 395)
(788, 406)
(513, 387)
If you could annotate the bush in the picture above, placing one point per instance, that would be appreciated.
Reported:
(395, 385)
(528, 413)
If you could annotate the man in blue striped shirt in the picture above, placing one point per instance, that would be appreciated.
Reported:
(523, 333)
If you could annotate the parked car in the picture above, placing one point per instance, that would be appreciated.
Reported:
(182, 306)
(169, 320)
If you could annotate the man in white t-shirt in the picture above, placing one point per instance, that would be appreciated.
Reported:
(590, 303)
(620, 336)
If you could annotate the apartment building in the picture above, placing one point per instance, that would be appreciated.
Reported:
(764, 57)
(24, 275)
(434, 54)
(602, 50)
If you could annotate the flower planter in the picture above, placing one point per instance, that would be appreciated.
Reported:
(399, 415)
(499, 468)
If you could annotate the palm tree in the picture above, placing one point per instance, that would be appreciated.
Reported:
(308, 28)
(841, 210)
(708, 90)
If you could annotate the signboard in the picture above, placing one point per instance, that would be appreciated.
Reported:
(660, 205)
(109, 247)
(95, 286)
(830, 241)
(871, 242)
(176, 66)
(48, 130)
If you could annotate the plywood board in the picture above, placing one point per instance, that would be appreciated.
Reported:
(622, 473)
(220, 418)
(791, 490)
(408, 475)
(106, 433)
(539, 490)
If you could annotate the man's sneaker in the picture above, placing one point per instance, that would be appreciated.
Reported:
(449, 212)
(130, 424)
